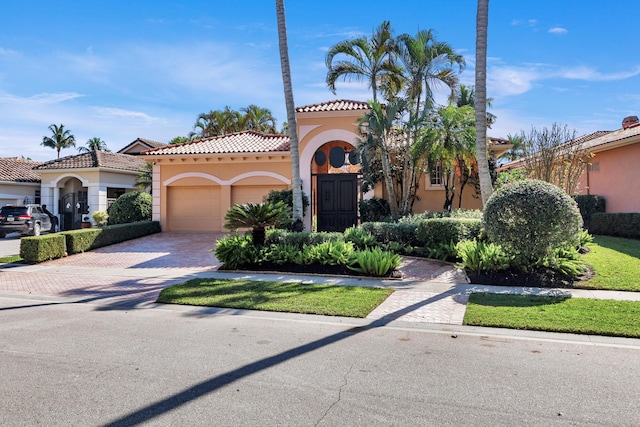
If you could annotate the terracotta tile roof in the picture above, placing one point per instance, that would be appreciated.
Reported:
(95, 159)
(498, 141)
(603, 138)
(239, 142)
(337, 105)
(18, 170)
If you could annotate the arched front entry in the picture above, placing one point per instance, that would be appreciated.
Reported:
(74, 207)
(335, 176)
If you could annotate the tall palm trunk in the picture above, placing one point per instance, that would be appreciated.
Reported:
(291, 116)
(482, 22)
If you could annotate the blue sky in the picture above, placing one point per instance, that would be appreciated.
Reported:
(120, 70)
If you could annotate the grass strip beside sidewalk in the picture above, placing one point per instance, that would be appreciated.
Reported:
(348, 301)
(554, 314)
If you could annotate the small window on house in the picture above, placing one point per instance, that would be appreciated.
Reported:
(37, 199)
(594, 167)
(436, 174)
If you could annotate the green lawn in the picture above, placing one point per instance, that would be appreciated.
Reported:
(350, 301)
(616, 262)
(10, 259)
(554, 314)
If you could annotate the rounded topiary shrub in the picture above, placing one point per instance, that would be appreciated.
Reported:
(531, 218)
(131, 207)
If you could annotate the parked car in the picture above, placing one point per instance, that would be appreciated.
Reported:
(26, 220)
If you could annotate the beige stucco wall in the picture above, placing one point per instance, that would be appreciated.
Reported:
(616, 178)
(56, 184)
(231, 173)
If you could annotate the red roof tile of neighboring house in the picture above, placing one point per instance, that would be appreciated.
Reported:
(18, 170)
(95, 159)
(337, 105)
(239, 142)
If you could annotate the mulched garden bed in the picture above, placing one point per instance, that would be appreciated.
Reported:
(539, 278)
(319, 269)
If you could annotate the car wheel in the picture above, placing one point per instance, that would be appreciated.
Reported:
(2, 235)
(36, 229)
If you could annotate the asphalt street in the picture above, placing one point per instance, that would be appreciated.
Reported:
(64, 363)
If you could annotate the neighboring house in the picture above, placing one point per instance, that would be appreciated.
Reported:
(612, 171)
(139, 145)
(195, 183)
(73, 187)
(19, 183)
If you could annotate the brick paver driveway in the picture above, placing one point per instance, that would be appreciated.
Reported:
(131, 272)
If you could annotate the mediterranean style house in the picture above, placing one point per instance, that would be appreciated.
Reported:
(195, 183)
(612, 171)
(73, 187)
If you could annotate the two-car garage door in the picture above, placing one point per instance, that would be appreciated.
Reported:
(198, 208)
(194, 208)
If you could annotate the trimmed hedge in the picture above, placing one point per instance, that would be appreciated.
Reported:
(616, 224)
(399, 232)
(37, 249)
(91, 238)
(589, 205)
(302, 238)
(433, 232)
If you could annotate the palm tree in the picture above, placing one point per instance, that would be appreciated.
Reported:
(452, 138)
(145, 177)
(482, 22)
(296, 182)
(467, 96)
(380, 140)
(366, 59)
(257, 217)
(94, 144)
(427, 63)
(259, 119)
(60, 138)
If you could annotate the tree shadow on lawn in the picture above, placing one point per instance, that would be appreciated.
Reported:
(516, 301)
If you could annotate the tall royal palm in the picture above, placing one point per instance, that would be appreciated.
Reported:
(60, 138)
(482, 23)
(296, 182)
(365, 59)
(93, 144)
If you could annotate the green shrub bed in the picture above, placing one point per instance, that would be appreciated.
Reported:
(304, 254)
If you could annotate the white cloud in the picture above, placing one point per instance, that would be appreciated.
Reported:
(120, 113)
(508, 81)
(558, 30)
(590, 74)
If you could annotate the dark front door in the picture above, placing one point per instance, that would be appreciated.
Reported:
(72, 206)
(337, 201)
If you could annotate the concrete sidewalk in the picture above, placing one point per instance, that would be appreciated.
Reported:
(132, 274)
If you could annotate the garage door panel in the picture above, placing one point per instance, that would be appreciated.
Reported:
(194, 208)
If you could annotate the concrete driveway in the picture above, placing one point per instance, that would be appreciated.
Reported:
(10, 245)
